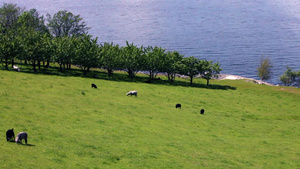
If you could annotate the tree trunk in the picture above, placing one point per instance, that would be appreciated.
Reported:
(109, 72)
(33, 64)
(39, 64)
(60, 67)
(191, 81)
(6, 64)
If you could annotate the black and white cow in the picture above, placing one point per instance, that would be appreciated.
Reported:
(132, 93)
(20, 137)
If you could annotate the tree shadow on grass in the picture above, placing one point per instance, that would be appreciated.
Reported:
(117, 76)
(121, 77)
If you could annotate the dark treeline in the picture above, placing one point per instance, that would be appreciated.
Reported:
(63, 39)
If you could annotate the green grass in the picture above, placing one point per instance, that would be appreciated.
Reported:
(71, 125)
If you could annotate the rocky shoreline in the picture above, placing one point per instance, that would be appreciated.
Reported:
(234, 77)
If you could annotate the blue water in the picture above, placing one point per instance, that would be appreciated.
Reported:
(236, 33)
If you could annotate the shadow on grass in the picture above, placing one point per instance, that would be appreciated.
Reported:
(21, 144)
(116, 76)
(12, 141)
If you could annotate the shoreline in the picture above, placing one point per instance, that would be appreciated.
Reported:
(235, 77)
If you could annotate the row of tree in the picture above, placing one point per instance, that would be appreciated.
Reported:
(289, 78)
(24, 35)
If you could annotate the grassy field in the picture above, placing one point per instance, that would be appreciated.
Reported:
(71, 125)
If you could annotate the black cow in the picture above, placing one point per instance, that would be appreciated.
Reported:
(178, 106)
(10, 135)
(94, 86)
(148, 81)
(202, 111)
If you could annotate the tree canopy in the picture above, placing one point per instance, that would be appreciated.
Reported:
(290, 77)
(9, 14)
(264, 70)
(64, 23)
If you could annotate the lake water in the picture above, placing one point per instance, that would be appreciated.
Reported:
(236, 33)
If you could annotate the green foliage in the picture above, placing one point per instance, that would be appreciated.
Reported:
(36, 47)
(9, 43)
(10, 47)
(64, 23)
(155, 59)
(290, 77)
(71, 125)
(87, 52)
(110, 57)
(209, 70)
(32, 20)
(9, 14)
(190, 67)
(64, 51)
(264, 70)
(133, 59)
(171, 65)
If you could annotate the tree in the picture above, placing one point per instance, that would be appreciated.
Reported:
(10, 47)
(32, 29)
(110, 59)
(36, 47)
(64, 23)
(133, 59)
(208, 70)
(64, 51)
(264, 69)
(9, 14)
(87, 52)
(171, 64)
(32, 20)
(155, 58)
(290, 77)
(297, 79)
(190, 67)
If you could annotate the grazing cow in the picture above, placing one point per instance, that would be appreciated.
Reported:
(178, 106)
(20, 137)
(10, 135)
(16, 68)
(202, 111)
(131, 93)
(94, 86)
(148, 81)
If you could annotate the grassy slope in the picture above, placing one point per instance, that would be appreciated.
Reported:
(69, 124)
